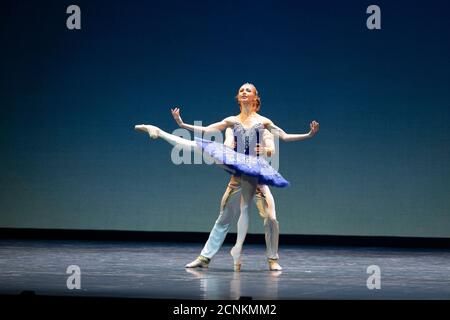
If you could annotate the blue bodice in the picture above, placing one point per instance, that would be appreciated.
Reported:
(246, 139)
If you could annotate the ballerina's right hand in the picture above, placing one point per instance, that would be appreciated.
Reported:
(176, 115)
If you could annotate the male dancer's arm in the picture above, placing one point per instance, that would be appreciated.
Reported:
(268, 146)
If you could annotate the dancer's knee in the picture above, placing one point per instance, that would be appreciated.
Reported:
(270, 220)
(223, 224)
(244, 209)
(227, 197)
(224, 219)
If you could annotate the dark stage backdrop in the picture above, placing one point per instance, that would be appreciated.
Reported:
(70, 158)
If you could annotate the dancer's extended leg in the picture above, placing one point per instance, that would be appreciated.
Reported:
(156, 132)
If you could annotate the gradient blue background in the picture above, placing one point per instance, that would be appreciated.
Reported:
(70, 158)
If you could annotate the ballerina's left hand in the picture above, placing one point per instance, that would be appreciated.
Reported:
(176, 115)
(314, 125)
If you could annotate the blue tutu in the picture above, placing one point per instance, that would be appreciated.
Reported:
(239, 163)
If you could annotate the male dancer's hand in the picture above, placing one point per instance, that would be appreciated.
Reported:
(265, 151)
(231, 145)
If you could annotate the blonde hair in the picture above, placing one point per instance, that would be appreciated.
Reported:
(258, 99)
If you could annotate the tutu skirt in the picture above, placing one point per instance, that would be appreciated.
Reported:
(239, 163)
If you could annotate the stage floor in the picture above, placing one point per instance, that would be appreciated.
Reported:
(156, 270)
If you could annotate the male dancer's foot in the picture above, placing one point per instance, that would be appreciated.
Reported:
(200, 262)
(151, 130)
(274, 265)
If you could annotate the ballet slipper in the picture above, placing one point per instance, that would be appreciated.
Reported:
(274, 265)
(200, 262)
(151, 130)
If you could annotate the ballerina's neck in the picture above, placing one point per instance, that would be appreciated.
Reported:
(246, 115)
(247, 109)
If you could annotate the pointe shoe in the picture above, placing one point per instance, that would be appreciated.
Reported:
(236, 254)
(140, 127)
(200, 262)
(274, 265)
(151, 130)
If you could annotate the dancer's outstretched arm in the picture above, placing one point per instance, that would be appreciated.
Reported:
(314, 127)
(218, 126)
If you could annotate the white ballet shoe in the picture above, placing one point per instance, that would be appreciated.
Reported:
(151, 130)
(200, 262)
(140, 127)
(236, 254)
(274, 265)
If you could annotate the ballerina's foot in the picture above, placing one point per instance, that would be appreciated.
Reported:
(274, 265)
(200, 262)
(236, 254)
(151, 130)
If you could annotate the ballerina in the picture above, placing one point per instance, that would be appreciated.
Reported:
(247, 170)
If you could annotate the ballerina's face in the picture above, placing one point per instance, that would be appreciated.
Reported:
(247, 94)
